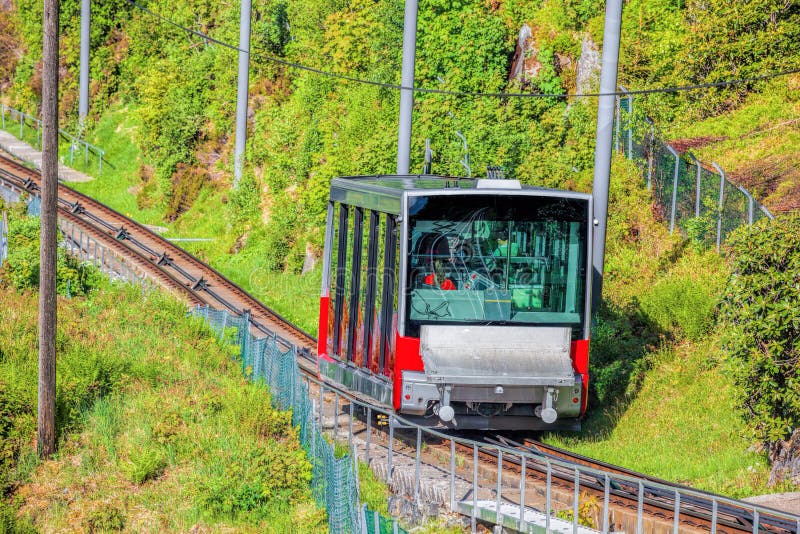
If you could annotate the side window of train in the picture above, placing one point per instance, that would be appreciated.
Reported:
(391, 254)
(340, 276)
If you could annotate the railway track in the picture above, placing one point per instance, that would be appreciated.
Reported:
(165, 263)
(173, 268)
(628, 491)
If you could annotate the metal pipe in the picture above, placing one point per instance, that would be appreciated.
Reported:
(750, 204)
(522, 485)
(499, 490)
(335, 414)
(417, 465)
(407, 83)
(369, 431)
(548, 495)
(721, 202)
(640, 507)
(697, 187)
(606, 493)
(242, 90)
(676, 513)
(473, 518)
(674, 189)
(576, 485)
(452, 475)
(602, 154)
(83, 99)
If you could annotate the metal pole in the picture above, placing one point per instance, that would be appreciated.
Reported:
(369, 427)
(407, 82)
(750, 204)
(241, 93)
(499, 491)
(453, 475)
(676, 513)
(473, 515)
(606, 493)
(674, 189)
(522, 485)
(389, 466)
(576, 488)
(83, 99)
(417, 460)
(721, 202)
(605, 133)
(697, 188)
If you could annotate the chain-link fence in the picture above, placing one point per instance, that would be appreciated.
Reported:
(688, 195)
(334, 484)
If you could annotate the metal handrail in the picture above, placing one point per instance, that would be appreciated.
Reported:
(21, 117)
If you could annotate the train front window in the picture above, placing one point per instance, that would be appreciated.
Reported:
(496, 259)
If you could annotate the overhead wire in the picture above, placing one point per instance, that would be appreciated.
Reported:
(476, 94)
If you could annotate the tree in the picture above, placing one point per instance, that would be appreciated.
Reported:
(761, 315)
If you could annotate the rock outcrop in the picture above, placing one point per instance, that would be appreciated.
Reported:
(785, 459)
(588, 78)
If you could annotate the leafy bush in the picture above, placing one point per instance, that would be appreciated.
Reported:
(21, 270)
(762, 316)
(144, 464)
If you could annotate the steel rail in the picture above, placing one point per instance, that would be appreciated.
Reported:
(163, 253)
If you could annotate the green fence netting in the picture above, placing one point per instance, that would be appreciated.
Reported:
(334, 484)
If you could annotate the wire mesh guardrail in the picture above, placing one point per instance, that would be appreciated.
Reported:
(29, 129)
(691, 197)
(334, 482)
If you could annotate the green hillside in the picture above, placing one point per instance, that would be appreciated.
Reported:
(162, 105)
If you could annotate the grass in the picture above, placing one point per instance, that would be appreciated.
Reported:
(755, 143)
(294, 296)
(169, 435)
(675, 415)
(682, 426)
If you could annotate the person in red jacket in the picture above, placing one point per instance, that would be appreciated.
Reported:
(438, 279)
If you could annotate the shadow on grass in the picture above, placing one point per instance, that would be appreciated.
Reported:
(621, 340)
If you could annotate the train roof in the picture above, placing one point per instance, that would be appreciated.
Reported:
(384, 192)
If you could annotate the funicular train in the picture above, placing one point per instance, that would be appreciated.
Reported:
(457, 302)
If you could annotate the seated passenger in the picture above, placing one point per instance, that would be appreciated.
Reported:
(438, 279)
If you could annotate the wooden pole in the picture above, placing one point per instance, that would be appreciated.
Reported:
(46, 436)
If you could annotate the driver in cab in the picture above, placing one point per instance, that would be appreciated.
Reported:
(438, 279)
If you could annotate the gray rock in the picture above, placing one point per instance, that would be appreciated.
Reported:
(588, 77)
(785, 459)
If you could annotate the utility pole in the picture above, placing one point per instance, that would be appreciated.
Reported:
(407, 81)
(242, 91)
(46, 434)
(83, 97)
(605, 134)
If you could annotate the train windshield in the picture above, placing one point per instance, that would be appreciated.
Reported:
(496, 259)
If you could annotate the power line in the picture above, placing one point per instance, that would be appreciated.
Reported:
(476, 94)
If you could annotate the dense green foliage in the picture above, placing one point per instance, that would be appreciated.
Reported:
(21, 269)
(144, 416)
(762, 315)
(173, 96)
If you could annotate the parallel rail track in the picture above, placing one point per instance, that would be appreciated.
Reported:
(171, 267)
(166, 263)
